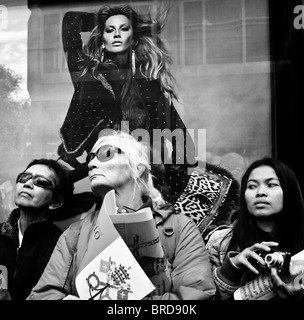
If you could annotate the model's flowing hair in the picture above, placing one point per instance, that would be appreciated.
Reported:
(151, 55)
(290, 221)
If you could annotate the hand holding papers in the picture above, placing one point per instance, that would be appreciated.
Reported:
(109, 270)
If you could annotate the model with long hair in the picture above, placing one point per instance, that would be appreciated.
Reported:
(121, 74)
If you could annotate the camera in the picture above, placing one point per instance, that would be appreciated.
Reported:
(277, 259)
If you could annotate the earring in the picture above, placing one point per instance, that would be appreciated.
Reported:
(133, 63)
(102, 52)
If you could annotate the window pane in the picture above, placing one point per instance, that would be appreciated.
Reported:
(257, 30)
(224, 34)
(193, 17)
(51, 38)
(220, 53)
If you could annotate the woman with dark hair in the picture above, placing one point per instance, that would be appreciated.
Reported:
(121, 74)
(270, 218)
(29, 235)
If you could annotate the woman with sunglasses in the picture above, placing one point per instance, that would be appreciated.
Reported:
(118, 161)
(29, 235)
(121, 74)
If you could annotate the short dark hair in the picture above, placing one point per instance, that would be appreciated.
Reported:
(65, 187)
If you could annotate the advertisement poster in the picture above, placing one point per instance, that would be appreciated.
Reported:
(222, 62)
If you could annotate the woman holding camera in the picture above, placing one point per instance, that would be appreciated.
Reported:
(270, 218)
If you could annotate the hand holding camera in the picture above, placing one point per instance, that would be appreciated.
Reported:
(284, 279)
(277, 259)
(250, 258)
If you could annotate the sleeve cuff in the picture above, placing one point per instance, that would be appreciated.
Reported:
(228, 272)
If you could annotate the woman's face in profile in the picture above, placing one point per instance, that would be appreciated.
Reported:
(118, 34)
(110, 173)
(29, 195)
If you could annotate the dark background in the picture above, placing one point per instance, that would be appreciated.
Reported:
(287, 85)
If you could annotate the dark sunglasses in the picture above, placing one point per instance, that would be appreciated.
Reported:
(38, 181)
(103, 154)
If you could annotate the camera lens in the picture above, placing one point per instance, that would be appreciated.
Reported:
(274, 259)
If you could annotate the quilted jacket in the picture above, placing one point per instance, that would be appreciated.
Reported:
(191, 273)
(25, 263)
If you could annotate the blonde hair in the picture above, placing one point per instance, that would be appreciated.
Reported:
(152, 55)
(138, 155)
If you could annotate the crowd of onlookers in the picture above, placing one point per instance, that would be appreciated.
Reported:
(267, 217)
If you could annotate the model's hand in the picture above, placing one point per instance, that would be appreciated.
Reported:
(249, 255)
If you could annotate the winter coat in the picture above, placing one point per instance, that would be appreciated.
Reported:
(25, 264)
(190, 268)
(217, 245)
(228, 278)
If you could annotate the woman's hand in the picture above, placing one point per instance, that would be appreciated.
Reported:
(249, 255)
(289, 288)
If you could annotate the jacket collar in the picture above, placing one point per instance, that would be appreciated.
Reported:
(160, 214)
(10, 226)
